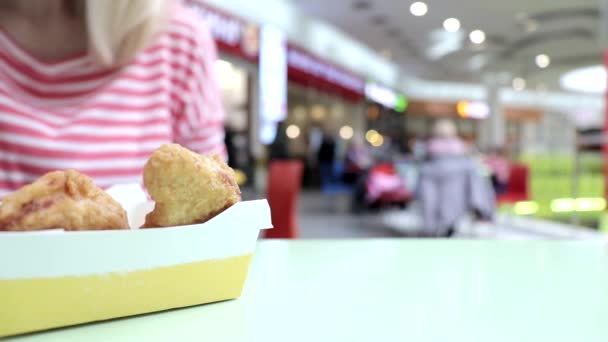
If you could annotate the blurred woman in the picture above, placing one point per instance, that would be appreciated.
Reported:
(445, 141)
(97, 85)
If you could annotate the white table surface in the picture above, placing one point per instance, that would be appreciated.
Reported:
(393, 290)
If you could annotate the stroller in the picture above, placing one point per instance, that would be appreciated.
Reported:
(384, 187)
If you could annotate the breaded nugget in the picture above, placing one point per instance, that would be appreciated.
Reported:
(187, 188)
(61, 199)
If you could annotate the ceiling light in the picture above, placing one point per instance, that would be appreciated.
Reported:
(542, 61)
(346, 132)
(519, 83)
(477, 36)
(378, 141)
(591, 79)
(374, 138)
(318, 112)
(451, 25)
(418, 9)
(371, 134)
(292, 131)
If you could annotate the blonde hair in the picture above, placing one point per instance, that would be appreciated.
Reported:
(119, 29)
(445, 128)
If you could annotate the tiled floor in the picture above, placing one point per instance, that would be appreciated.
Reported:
(320, 217)
(329, 218)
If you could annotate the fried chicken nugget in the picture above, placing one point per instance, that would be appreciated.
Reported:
(187, 188)
(61, 199)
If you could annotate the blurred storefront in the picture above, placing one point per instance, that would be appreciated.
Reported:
(237, 69)
(385, 113)
(519, 123)
(421, 115)
(323, 100)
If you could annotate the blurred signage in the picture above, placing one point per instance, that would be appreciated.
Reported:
(435, 109)
(273, 81)
(465, 109)
(309, 70)
(523, 114)
(385, 97)
(473, 110)
(232, 35)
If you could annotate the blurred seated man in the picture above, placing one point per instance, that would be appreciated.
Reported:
(357, 161)
(499, 167)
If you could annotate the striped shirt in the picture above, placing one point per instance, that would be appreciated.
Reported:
(105, 123)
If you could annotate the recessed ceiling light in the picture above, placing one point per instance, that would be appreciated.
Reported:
(542, 60)
(292, 131)
(519, 83)
(477, 36)
(346, 132)
(590, 79)
(451, 25)
(418, 9)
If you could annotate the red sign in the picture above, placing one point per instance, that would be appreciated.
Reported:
(308, 70)
(232, 35)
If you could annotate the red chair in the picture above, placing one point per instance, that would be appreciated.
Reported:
(517, 187)
(284, 181)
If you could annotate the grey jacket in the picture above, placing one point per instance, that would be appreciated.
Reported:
(449, 188)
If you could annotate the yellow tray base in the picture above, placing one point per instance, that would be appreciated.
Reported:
(36, 304)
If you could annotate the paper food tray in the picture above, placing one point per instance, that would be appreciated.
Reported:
(51, 279)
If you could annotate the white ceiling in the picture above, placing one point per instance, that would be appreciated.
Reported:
(567, 31)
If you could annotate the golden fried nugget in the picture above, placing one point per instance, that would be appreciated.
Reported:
(61, 199)
(187, 188)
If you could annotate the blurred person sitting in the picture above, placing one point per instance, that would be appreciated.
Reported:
(358, 160)
(445, 141)
(418, 147)
(499, 166)
(326, 156)
(97, 85)
(279, 149)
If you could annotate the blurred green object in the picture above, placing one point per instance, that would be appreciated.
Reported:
(401, 104)
(525, 208)
(551, 178)
(603, 224)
